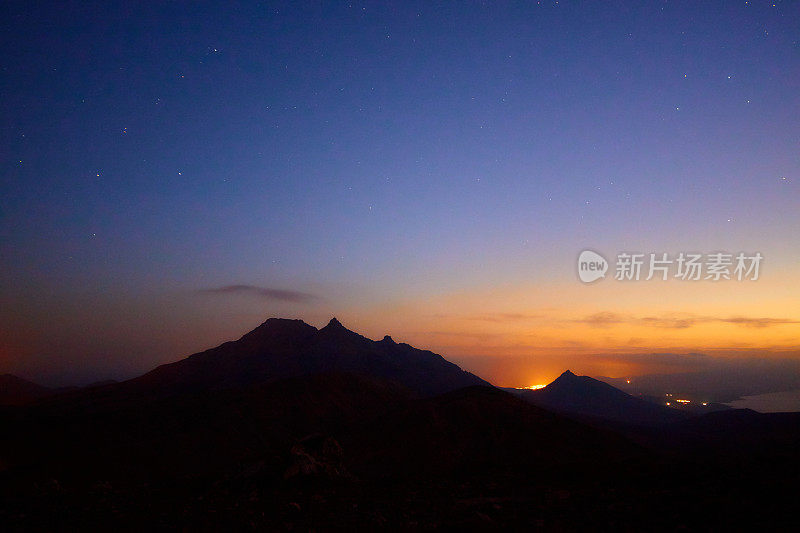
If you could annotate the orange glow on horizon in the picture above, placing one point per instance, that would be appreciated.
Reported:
(520, 333)
(535, 387)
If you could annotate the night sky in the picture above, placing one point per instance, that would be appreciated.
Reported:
(175, 173)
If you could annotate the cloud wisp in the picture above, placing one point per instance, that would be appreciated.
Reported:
(266, 293)
(606, 319)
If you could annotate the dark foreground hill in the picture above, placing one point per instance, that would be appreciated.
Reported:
(386, 429)
(343, 451)
(353, 448)
(739, 437)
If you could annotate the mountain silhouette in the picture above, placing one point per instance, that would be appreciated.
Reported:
(294, 427)
(17, 391)
(588, 397)
(282, 348)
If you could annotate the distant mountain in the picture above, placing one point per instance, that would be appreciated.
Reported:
(281, 348)
(588, 397)
(17, 391)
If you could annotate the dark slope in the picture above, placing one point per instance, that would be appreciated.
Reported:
(195, 434)
(269, 351)
(314, 452)
(383, 431)
(281, 348)
(588, 397)
(17, 391)
(741, 435)
(484, 429)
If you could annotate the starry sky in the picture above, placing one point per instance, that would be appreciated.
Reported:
(175, 173)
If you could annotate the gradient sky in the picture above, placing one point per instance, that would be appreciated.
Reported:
(175, 173)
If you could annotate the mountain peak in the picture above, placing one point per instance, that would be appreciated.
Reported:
(571, 380)
(277, 323)
(336, 329)
(279, 326)
(334, 323)
(567, 379)
(388, 339)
